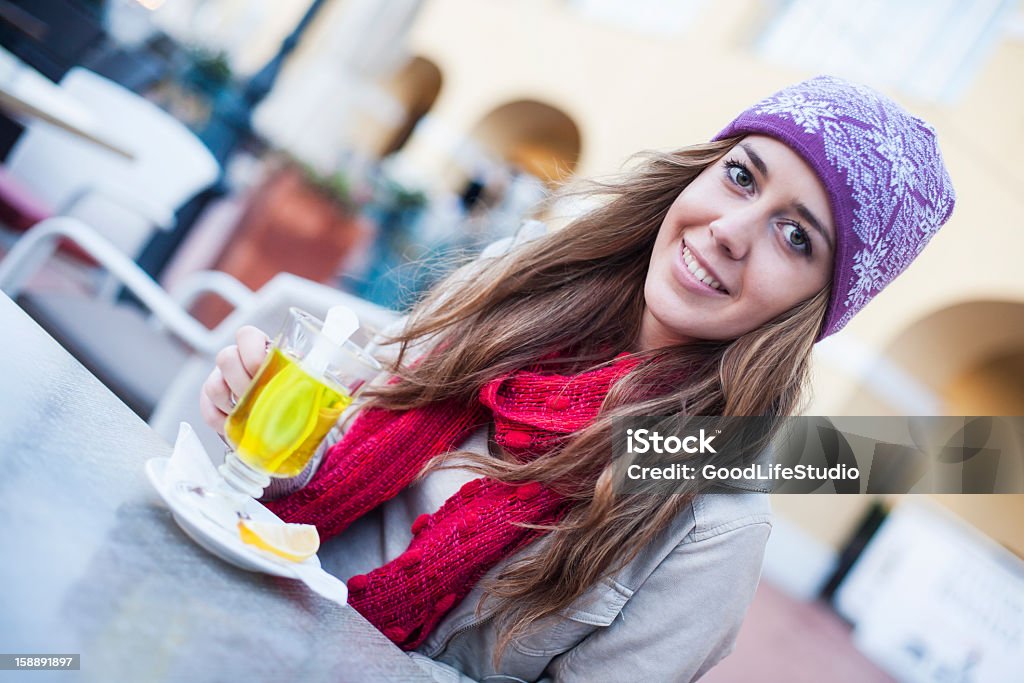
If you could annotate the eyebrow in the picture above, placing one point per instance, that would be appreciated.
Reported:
(755, 159)
(801, 208)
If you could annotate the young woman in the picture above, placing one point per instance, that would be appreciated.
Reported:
(471, 496)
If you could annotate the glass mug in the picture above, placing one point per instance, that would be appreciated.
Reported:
(290, 406)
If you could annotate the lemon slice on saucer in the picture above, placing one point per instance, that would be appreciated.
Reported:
(294, 542)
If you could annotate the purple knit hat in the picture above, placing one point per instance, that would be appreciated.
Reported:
(882, 168)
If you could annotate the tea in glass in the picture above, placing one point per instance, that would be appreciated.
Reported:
(305, 383)
(279, 423)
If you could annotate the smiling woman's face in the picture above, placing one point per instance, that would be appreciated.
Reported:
(747, 240)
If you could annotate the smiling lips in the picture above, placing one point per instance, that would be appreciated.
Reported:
(699, 271)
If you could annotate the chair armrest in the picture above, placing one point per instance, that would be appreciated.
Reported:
(216, 282)
(38, 244)
(190, 288)
(158, 215)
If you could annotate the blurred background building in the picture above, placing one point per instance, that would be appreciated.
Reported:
(438, 125)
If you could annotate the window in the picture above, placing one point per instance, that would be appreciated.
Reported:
(657, 17)
(929, 49)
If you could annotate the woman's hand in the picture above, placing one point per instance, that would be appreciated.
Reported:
(236, 365)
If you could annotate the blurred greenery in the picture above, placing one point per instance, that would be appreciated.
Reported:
(209, 70)
(335, 185)
(399, 197)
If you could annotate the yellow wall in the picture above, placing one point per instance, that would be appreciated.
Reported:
(625, 91)
(628, 92)
(832, 519)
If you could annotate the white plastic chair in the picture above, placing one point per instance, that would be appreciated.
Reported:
(157, 364)
(129, 198)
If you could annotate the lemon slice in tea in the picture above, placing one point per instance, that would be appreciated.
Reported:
(294, 542)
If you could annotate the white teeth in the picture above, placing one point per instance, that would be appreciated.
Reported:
(698, 272)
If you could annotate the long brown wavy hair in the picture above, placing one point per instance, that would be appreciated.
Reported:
(580, 291)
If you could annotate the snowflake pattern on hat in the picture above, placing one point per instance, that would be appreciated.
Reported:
(889, 189)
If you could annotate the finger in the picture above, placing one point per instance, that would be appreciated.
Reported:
(237, 378)
(212, 415)
(218, 392)
(253, 344)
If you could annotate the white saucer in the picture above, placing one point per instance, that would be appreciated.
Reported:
(216, 539)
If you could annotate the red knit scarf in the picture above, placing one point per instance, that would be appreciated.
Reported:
(384, 450)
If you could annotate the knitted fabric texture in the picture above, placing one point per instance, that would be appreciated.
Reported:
(383, 451)
(888, 187)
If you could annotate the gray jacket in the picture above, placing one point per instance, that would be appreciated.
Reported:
(669, 615)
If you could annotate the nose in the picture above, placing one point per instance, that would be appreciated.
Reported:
(735, 231)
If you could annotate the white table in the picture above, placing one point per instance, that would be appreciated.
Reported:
(26, 93)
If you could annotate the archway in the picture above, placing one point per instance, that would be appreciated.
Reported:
(415, 86)
(535, 137)
(971, 355)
